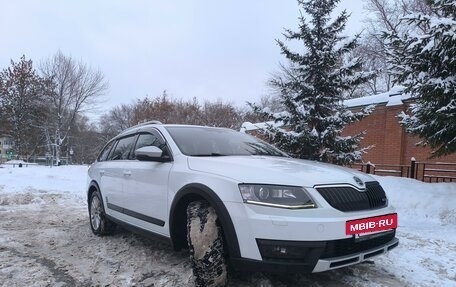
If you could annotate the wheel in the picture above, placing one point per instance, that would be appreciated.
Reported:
(205, 242)
(98, 222)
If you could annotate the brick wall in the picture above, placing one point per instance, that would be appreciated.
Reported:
(391, 144)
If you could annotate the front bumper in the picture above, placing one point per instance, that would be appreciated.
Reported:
(281, 256)
(323, 224)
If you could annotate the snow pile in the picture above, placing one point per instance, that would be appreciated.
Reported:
(427, 232)
(415, 200)
(67, 179)
(30, 184)
(33, 199)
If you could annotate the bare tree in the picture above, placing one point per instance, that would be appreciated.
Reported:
(269, 103)
(169, 110)
(220, 114)
(117, 119)
(161, 108)
(272, 102)
(188, 112)
(384, 16)
(72, 89)
(85, 141)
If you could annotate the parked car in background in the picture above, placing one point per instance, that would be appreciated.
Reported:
(231, 198)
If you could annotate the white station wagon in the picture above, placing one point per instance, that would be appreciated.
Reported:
(234, 199)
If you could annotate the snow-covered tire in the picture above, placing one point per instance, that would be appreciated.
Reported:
(205, 242)
(99, 224)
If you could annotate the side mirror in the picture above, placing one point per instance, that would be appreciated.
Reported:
(149, 153)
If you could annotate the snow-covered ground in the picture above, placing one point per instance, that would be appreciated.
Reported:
(45, 240)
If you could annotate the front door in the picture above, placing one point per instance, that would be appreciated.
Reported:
(146, 187)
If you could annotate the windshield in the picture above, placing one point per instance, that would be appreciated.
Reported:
(205, 141)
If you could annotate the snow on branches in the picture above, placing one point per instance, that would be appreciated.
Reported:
(424, 61)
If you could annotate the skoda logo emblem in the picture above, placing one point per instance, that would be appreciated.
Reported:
(358, 181)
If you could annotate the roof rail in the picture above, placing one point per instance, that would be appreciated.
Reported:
(150, 123)
(143, 124)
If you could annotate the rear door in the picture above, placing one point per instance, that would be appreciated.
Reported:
(113, 175)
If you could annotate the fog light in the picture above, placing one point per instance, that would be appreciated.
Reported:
(289, 250)
(279, 249)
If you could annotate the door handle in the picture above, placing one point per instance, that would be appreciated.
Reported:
(127, 173)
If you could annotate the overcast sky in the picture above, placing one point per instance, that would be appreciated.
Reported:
(221, 49)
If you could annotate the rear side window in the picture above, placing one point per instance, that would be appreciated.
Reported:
(123, 148)
(105, 152)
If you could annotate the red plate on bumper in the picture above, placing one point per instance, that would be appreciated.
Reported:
(371, 224)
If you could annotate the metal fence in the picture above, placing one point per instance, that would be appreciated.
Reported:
(49, 160)
(424, 171)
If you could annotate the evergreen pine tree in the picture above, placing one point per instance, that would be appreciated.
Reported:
(312, 88)
(425, 63)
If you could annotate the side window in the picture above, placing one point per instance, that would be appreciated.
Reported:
(105, 152)
(147, 139)
(123, 148)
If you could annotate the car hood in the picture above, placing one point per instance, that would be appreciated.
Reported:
(276, 170)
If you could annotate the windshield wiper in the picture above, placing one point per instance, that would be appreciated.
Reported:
(212, 154)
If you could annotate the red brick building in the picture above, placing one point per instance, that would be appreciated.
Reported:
(391, 144)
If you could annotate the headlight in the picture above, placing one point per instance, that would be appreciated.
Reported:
(276, 196)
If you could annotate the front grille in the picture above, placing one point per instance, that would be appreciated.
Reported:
(346, 198)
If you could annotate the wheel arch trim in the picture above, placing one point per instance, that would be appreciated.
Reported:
(93, 184)
(209, 195)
